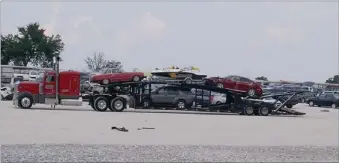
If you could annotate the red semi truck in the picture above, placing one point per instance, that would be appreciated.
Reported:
(62, 88)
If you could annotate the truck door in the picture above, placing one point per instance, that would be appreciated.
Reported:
(75, 86)
(49, 86)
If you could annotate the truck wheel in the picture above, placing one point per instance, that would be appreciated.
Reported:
(248, 110)
(25, 100)
(136, 78)
(289, 105)
(101, 104)
(118, 104)
(264, 111)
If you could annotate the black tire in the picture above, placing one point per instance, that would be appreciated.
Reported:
(264, 110)
(248, 110)
(181, 104)
(251, 93)
(289, 106)
(101, 101)
(146, 103)
(188, 80)
(118, 104)
(220, 85)
(334, 106)
(136, 78)
(25, 101)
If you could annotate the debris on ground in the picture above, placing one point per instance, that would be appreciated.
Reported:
(123, 129)
(324, 110)
(146, 128)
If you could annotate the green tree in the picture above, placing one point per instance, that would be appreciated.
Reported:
(31, 45)
(261, 78)
(333, 80)
(7, 48)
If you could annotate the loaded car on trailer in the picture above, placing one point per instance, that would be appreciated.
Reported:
(116, 75)
(234, 82)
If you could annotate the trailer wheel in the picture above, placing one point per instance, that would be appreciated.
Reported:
(118, 104)
(25, 100)
(264, 111)
(248, 110)
(101, 104)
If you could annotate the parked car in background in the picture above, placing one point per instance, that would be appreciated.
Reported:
(174, 96)
(116, 75)
(239, 83)
(325, 100)
(6, 93)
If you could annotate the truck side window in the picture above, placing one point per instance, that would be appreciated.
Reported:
(50, 79)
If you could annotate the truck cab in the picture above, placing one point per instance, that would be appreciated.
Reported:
(44, 90)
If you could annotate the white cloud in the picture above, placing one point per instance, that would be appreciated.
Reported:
(50, 26)
(282, 34)
(147, 27)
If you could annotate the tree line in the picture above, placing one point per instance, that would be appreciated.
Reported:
(30, 45)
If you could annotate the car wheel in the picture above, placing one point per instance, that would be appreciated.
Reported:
(101, 104)
(136, 78)
(118, 104)
(220, 85)
(251, 92)
(188, 80)
(311, 103)
(105, 81)
(248, 110)
(334, 106)
(264, 111)
(25, 101)
(181, 104)
(146, 103)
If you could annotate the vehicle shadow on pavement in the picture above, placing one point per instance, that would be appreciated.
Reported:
(61, 109)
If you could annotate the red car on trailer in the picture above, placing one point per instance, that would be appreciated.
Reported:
(237, 83)
(117, 75)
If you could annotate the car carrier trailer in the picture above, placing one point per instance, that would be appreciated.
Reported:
(139, 91)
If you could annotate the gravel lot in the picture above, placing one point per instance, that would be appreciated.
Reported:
(59, 135)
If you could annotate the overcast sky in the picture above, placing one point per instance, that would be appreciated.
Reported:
(280, 40)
